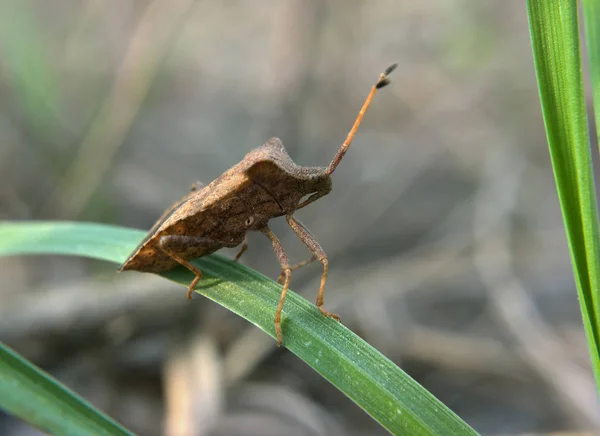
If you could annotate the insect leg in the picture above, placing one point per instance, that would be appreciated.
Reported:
(295, 267)
(170, 243)
(285, 267)
(312, 244)
(243, 249)
(197, 186)
(313, 197)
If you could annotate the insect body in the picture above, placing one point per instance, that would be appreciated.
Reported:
(264, 185)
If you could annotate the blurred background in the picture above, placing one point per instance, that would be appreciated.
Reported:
(443, 229)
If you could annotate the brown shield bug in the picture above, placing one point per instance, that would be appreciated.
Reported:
(264, 185)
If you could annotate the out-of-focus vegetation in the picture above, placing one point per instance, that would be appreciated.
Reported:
(111, 109)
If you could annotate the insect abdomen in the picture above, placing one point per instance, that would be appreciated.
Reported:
(149, 259)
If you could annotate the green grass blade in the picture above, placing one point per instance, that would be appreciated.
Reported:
(591, 16)
(554, 34)
(34, 396)
(367, 377)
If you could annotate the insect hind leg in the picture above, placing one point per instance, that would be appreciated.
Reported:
(170, 244)
(197, 186)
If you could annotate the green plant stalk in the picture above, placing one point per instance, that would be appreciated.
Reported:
(37, 398)
(367, 377)
(554, 35)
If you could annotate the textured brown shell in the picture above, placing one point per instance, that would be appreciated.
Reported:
(265, 184)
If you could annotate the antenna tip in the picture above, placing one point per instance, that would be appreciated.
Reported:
(383, 81)
(389, 69)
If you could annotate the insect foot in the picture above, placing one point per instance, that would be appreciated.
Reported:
(266, 184)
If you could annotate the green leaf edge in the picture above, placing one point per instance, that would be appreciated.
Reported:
(591, 16)
(363, 374)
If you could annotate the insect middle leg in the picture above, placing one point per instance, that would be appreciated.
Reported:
(318, 253)
(170, 244)
(287, 272)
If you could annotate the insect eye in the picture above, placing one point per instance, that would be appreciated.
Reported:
(249, 221)
(313, 177)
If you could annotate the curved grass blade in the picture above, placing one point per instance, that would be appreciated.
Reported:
(367, 377)
(554, 33)
(35, 397)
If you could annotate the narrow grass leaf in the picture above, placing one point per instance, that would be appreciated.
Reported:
(554, 34)
(34, 396)
(367, 377)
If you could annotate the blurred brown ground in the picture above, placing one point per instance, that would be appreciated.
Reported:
(443, 230)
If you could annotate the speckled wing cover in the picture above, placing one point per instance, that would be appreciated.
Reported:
(217, 211)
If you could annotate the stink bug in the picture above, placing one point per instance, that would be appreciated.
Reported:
(264, 185)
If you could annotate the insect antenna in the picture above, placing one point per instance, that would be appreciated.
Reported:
(381, 82)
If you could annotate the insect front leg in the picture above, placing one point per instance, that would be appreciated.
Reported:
(312, 198)
(318, 253)
(170, 244)
(287, 272)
